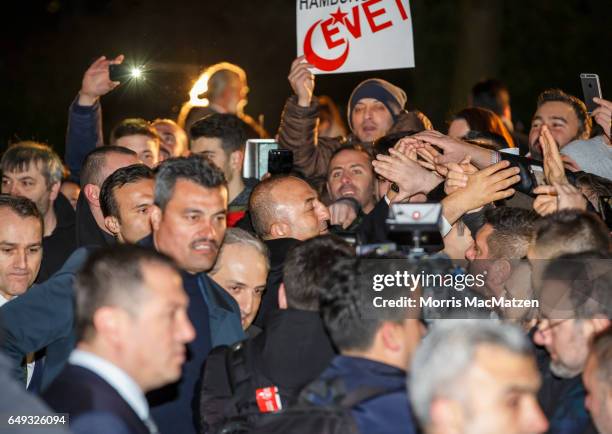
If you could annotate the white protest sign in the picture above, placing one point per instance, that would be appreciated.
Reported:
(355, 35)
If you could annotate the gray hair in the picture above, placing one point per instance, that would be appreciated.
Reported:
(240, 236)
(446, 354)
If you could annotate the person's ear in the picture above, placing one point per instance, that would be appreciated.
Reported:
(280, 230)
(54, 191)
(112, 224)
(282, 297)
(92, 194)
(107, 322)
(500, 271)
(391, 335)
(156, 217)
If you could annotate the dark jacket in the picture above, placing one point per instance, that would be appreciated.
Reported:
(95, 407)
(278, 250)
(58, 246)
(216, 319)
(14, 400)
(562, 401)
(43, 317)
(311, 154)
(83, 135)
(88, 233)
(389, 413)
(275, 357)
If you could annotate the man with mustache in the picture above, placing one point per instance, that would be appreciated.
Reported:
(188, 222)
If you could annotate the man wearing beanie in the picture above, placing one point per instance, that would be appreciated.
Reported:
(375, 108)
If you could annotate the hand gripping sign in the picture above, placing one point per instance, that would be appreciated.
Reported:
(355, 35)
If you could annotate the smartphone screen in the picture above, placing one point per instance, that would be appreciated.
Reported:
(590, 89)
(280, 161)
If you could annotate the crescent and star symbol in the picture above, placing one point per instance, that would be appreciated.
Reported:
(320, 62)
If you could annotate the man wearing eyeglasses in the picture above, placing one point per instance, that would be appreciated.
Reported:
(575, 305)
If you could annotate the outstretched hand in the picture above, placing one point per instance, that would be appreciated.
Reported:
(96, 80)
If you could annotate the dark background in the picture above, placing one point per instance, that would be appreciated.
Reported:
(46, 46)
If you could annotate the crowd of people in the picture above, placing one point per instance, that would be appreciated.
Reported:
(146, 286)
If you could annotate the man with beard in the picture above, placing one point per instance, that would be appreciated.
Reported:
(222, 138)
(575, 304)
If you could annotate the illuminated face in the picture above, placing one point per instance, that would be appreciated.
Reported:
(134, 203)
(145, 147)
(173, 140)
(155, 337)
(20, 252)
(300, 210)
(31, 184)
(210, 147)
(370, 119)
(192, 226)
(500, 394)
(599, 397)
(350, 174)
(560, 119)
(242, 271)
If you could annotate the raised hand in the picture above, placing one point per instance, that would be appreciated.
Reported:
(96, 80)
(302, 81)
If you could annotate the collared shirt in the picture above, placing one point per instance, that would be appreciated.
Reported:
(116, 377)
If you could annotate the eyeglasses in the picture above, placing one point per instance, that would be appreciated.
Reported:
(551, 325)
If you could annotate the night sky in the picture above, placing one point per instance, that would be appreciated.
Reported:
(47, 45)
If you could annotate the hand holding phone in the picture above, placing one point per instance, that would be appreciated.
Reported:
(590, 89)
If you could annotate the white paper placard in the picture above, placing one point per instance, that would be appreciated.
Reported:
(355, 35)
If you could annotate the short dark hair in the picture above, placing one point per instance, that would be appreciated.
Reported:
(262, 205)
(584, 120)
(512, 231)
(19, 156)
(345, 311)
(571, 231)
(230, 129)
(91, 171)
(132, 127)
(195, 168)
(601, 348)
(120, 177)
(21, 206)
(489, 94)
(589, 278)
(113, 276)
(302, 273)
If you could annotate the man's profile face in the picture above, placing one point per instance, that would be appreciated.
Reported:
(350, 174)
(134, 202)
(560, 119)
(145, 147)
(370, 119)
(20, 252)
(241, 270)
(191, 228)
(160, 329)
(500, 394)
(173, 140)
(599, 396)
(210, 147)
(31, 184)
(567, 344)
(300, 208)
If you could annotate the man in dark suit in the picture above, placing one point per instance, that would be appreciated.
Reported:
(132, 327)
